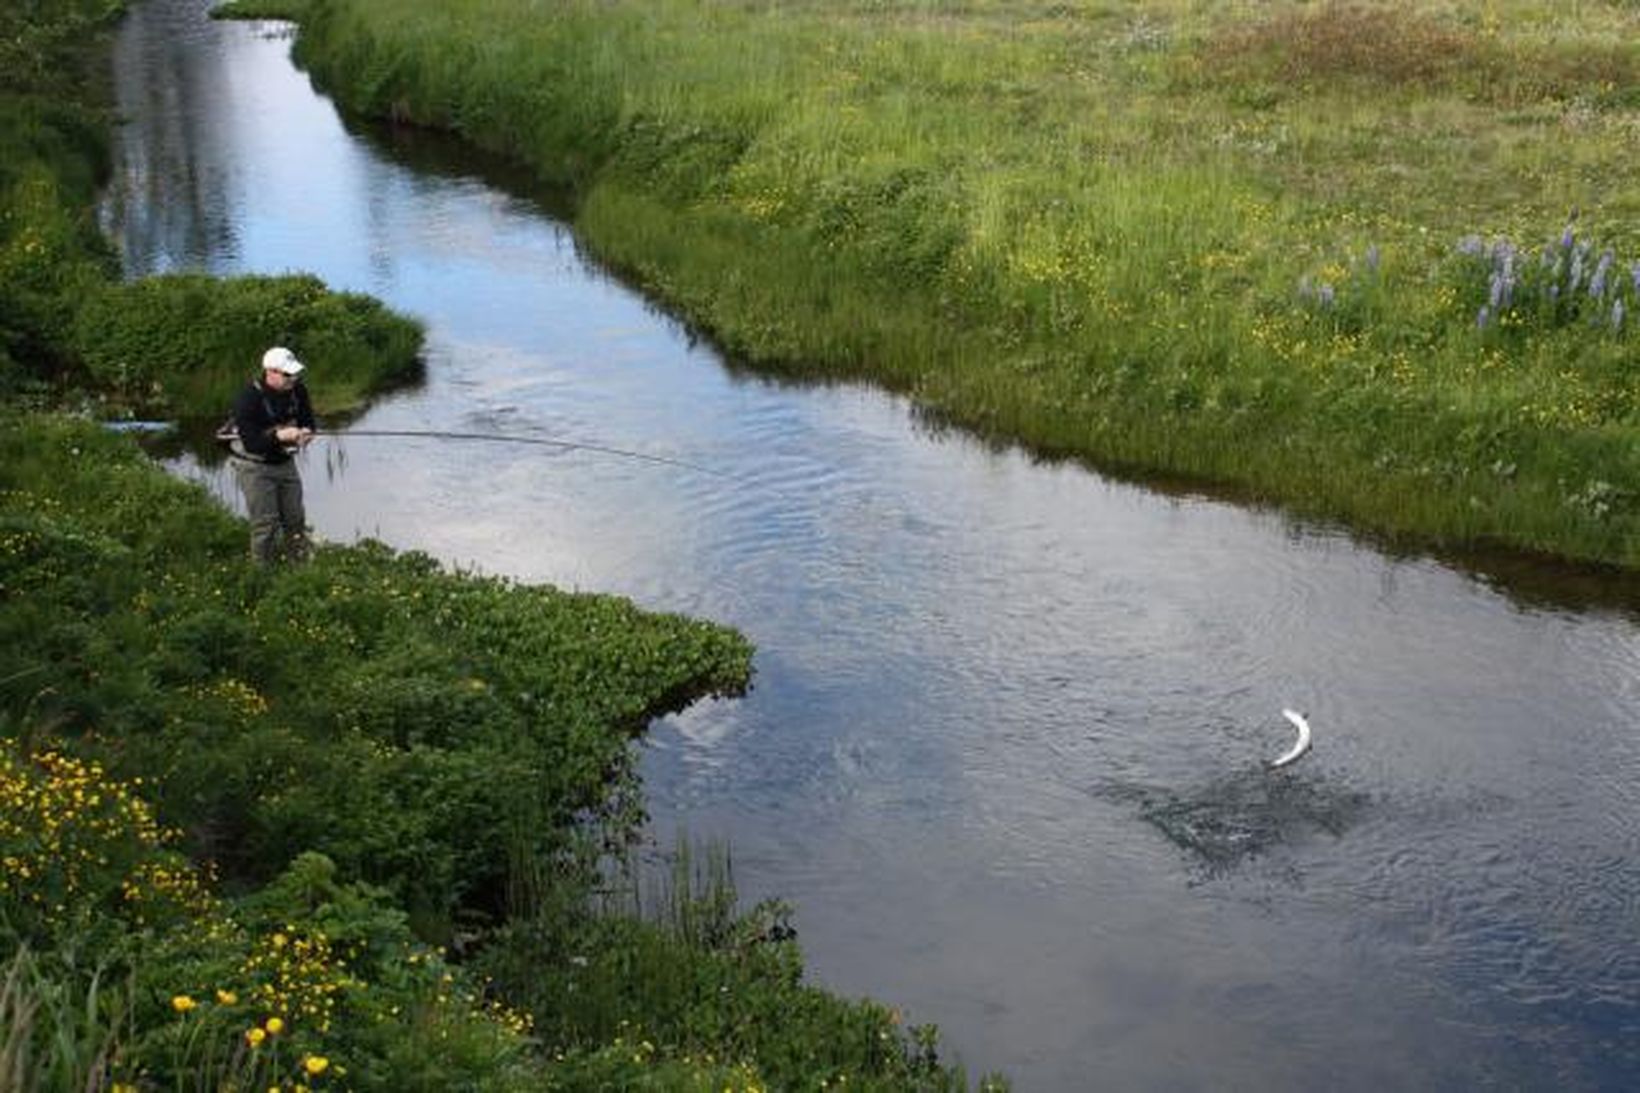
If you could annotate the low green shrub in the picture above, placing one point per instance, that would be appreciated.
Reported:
(54, 153)
(424, 729)
(130, 972)
(261, 9)
(47, 47)
(185, 343)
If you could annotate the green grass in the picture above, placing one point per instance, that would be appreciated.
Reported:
(1089, 225)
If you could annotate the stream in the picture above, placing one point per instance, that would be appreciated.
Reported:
(1005, 750)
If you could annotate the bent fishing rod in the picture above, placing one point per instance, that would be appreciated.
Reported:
(503, 438)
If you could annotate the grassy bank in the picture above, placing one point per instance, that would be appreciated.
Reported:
(343, 825)
(244, 813)
(1372, 261)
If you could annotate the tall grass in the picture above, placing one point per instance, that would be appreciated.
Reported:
(1090, 227)
(673, 984)
(56, 1034)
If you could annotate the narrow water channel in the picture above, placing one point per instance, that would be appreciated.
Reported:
(1004, 750)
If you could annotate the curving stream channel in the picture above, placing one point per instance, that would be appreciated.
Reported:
(1004, 750)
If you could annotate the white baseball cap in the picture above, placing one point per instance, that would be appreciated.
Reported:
(280, 359)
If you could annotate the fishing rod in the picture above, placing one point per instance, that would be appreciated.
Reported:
(503, 438)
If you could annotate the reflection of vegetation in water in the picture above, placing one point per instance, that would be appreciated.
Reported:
(1247, 814)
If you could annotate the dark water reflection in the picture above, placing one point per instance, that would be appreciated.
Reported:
(1005, 748)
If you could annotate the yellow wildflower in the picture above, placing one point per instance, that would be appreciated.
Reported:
(315, 1064)
(274, 1025)
(227, 998)
(182, 1003)
(255, 1036)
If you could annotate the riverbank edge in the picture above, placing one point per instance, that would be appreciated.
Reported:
(1552, 497)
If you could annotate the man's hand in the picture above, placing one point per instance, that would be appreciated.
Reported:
(291, 434)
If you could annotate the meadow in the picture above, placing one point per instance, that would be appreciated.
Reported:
(353, 824)
(1376, 263)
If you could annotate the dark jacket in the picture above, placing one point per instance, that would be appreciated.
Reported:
(257, 412)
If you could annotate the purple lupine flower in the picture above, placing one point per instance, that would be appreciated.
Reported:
(1575, 277)
(1617, 313)
(1325, 294)
(1482, 318)
(1494, 295)
(1372, 258)
(1566, 238)
(1597, 283)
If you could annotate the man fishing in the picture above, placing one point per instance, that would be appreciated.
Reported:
(273, 419)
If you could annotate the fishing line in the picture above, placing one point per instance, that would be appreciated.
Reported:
(502, 438)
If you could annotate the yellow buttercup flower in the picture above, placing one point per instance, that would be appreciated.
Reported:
(315, 1064)
(274, 1025)
(182, 1003)
(227, 998)
(255, 1036)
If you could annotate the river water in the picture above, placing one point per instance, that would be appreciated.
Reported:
(1004, 749)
